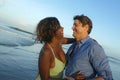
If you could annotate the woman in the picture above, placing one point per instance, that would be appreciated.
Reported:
(52, 58)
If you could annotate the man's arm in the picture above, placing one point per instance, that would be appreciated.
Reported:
(99, 62)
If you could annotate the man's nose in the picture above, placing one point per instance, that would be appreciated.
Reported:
(62, 27)
(73, 27)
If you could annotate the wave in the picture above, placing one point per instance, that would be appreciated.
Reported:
(114, 60)
(14, 37)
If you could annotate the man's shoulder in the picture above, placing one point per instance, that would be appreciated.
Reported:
(92, 42)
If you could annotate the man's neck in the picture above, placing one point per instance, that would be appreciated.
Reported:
(81, 38)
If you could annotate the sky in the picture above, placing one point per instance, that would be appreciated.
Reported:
(105, 15)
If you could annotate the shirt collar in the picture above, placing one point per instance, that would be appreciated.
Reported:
(83, 40)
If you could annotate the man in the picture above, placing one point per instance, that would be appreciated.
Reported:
(86, 55)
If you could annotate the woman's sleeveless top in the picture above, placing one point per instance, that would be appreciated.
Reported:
(57, 70)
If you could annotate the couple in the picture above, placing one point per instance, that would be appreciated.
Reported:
(85, 59)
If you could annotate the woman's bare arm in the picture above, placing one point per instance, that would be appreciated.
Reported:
(67, 40)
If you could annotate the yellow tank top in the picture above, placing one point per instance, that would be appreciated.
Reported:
(57, 71)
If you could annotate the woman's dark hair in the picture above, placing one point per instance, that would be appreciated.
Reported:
(46, 29)
(85, 21)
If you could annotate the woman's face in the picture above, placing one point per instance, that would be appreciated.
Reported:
(59, 32)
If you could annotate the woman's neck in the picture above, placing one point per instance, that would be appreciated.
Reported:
(55, 42)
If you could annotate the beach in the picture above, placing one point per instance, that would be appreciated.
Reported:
(19, 56)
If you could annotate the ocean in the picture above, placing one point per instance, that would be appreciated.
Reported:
(19, 55)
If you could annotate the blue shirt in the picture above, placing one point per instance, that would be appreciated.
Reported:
(89, 58)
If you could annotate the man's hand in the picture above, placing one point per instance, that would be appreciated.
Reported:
(68, 78)
(98, 78)
(79, 76)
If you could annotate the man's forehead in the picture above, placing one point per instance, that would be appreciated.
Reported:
(76, 21)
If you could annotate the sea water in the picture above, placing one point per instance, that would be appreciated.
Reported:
(19, 56)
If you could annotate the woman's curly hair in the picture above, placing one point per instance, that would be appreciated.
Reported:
(46, 29)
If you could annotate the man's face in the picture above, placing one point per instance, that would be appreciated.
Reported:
(78, 29)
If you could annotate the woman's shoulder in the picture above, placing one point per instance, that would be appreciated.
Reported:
(45, 52)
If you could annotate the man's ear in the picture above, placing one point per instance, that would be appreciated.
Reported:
(86, 27)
